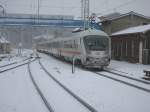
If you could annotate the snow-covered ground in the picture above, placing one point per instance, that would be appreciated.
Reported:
(134, 70)
(104, 94)
(57, 97)
(14, 57)
(17, 93)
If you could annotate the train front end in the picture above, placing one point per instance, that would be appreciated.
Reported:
(97, 48)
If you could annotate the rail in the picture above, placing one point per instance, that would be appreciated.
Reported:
(87, 105)
(39, 91)
(123, 82)
(5, 70)
(128, 77)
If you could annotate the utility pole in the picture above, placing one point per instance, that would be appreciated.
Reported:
(3, 10)
(38, 11)
(2, 16)
(85, 12)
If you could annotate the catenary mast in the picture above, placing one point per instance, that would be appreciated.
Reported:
(85, 13)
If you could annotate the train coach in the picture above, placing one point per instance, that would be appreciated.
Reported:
(91, 48)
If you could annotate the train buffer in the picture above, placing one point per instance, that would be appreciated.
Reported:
(147, 73)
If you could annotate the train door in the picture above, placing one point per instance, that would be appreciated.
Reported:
(82, 50)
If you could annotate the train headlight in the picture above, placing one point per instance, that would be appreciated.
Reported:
(106, 59)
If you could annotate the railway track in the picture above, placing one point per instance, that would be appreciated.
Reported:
(137, 86)
(9, 64)
(15, 65)
(129, 83)
(84, 103)
(16, 62)
(39, 91)
(128, 77)
(76, 97)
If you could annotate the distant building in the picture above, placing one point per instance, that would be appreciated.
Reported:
(115, 22)
(132, 44)
(4, 46)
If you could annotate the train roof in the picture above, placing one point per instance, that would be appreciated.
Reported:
(90, 32)
(83, 34)
(79, 35)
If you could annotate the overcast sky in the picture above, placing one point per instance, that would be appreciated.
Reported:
(73, 7)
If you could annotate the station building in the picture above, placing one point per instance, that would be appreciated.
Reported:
(132, 44)
(115, 22)
(130, 35)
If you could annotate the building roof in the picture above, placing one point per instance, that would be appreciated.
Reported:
(118, 15)
(109, 16)
(131, 30)
(3, 40)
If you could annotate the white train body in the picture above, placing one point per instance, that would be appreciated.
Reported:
(91, 48)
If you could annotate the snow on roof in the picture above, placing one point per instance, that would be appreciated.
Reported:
(137, 29)
(109, 16)
(3, 40)
(117, 16)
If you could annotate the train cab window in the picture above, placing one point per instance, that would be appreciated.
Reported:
(95, 42)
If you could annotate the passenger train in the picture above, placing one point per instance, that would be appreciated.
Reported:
(90, 48)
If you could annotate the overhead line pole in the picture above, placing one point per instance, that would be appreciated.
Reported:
(85, 13)
(38, 11)
(3, 10)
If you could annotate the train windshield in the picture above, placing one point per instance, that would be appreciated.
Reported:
(96, 43)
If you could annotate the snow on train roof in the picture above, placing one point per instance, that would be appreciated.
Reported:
(82, 34)
(137, 29)
(78, 35)
(92, 32)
